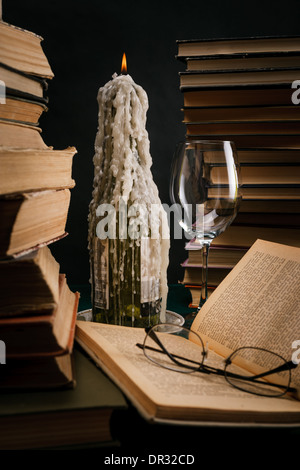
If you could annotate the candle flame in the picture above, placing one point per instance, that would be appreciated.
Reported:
(124, 65)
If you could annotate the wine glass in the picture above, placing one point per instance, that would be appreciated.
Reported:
(205, 192)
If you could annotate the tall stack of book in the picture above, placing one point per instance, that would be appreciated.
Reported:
(37, 308)
(247, 91)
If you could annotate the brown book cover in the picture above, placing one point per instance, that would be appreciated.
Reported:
(29, 170)
(22, 50)
(43, 335)
(32, 219)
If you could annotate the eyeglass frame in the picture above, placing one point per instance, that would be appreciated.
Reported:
(203, 368)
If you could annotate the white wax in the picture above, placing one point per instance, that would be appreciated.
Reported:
(122, 164)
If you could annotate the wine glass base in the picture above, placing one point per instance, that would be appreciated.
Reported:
(191, 315)
(189, 318)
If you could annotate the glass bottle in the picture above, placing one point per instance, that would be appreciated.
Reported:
(128, 228)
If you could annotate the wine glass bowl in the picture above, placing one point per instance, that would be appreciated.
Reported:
(205, 188)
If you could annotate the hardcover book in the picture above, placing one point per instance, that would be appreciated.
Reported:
(246, 309)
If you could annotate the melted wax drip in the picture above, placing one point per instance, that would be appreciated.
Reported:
(122, 168)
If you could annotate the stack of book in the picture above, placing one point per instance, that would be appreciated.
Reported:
(247, 91)
(37, 308)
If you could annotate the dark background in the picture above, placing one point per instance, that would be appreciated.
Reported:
(84, 42)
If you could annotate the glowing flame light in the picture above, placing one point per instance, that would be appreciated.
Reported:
(124, 65)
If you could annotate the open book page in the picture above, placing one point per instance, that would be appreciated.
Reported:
(257, 304)
(163, 394)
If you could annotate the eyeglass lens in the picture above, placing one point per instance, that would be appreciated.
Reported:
(258, 381)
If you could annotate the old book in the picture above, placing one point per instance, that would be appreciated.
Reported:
(275, 192)
(22, 110)
(238, 96)
(22, 82)
(38, 335)
(262, 174)
(195, 291)
(37, 373)
(18, 135)
(78, 416)
(35, 279)
(31, 219)
(240, 114)
(22, 50)
(269, 156)
(258, 44)
(272, 206)
(23, 170)
(256, 61)
(250, 310)
(256, 140)
(222, 258)
(194, 79)
(266, 128)
(287, 192)
(243, 236)
(216, 273)
(279, 219)
(218, 256)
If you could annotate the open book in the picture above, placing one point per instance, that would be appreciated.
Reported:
(256, 305)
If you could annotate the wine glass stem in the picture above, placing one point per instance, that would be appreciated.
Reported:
(205, 251)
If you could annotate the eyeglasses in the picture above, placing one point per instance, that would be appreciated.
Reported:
(166, 345)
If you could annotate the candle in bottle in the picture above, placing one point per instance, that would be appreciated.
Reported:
(129, 266)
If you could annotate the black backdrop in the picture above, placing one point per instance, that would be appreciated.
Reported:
(84, 42)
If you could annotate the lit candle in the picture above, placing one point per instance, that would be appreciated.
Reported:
(124, 65)
(122, 169)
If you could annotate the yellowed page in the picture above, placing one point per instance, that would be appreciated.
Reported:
(258, 303)
(165, 394)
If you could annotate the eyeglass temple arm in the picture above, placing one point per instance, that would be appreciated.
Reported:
(287, 366)
(141, 346)
(159, 343)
